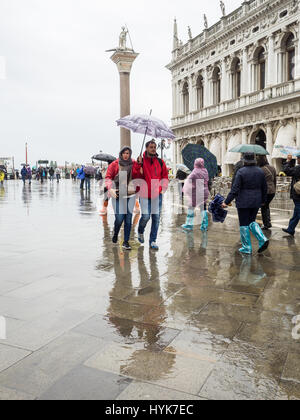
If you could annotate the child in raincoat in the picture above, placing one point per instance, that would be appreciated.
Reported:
(2, 177)
(196, 192)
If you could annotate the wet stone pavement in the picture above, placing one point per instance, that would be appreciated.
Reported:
(195, 320)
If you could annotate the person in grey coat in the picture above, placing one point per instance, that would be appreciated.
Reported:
(250, 192)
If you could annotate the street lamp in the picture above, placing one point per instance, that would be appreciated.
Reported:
(163, 146)
(101, 151)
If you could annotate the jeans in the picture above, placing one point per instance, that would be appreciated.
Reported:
(88, 183)
(151, 208)
(81, 184)
(123, 209)
(247, 216)
(295, 219)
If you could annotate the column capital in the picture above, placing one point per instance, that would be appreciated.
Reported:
(124, 60)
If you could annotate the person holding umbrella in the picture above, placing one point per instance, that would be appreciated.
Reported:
(250, 191)
(295, 192)
(154, 171)
(118, 179)
(24, 174)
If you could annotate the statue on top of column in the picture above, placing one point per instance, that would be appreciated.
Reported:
(123, 38)
(223, 8)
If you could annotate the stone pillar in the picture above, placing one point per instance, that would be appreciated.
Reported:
(298, 133)
(244, 75)
(224, 82)
(280, 68)
(174, 99)
(271, 63)
(244, 136)
(269, 142)
(205, 90)
(124, 61)
(297, 54)
(224, 152)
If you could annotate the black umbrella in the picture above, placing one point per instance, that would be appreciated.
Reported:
(194, 151)
(104, 157)
(3, 168)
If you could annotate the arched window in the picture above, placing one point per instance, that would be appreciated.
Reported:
(200, 93)
(236, 79)
(186, 99)
(217, 85)
(261, 69)
(290, 57)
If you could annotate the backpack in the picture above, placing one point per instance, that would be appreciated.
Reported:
(297, 188)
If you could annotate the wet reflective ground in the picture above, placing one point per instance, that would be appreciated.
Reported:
(195, 320)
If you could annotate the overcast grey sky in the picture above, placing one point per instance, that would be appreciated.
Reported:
(61, 92)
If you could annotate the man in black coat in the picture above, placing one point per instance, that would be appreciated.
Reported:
(295, 173)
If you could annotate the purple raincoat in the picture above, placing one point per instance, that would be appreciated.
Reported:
(196, 186)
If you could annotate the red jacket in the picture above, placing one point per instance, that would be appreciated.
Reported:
(113, 170)
(156, 177)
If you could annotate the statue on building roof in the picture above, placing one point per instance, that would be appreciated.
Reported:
(222, 4)
(190, 32)
(205, 21)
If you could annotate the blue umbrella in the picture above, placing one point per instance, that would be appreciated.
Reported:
(194, 151)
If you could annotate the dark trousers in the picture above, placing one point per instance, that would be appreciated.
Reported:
(295, 219)
(265, 211)
(247, 216)
(82, 184)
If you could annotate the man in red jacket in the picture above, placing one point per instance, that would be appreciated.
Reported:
(154, 172)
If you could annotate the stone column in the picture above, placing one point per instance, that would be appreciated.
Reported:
(224, 151)
(298, 133)
(224, 82)
(269, 142)
(244, 136)
(205, 90)
(194, 96)
(174, 99)
(271, 63)
(297, 54)
(245, 75)
(124, 61)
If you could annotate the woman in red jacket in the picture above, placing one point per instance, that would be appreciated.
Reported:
(118, 182)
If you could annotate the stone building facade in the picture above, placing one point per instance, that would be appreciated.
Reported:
(238, 82)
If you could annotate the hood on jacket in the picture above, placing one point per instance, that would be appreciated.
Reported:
(199, 164)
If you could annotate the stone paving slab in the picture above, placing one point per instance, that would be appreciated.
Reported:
(172, 371)
(9, 356)
(37, 373)
(137, 391)
(83, 383)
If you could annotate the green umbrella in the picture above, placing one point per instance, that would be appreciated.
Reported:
(250, 148)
